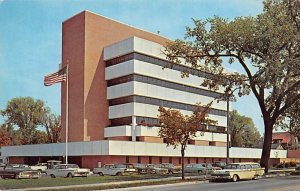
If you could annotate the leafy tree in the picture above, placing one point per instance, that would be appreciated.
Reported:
(266, 47)
(4, 137)
(39, 137)
(242, 130)
(52, 123)
(27, 114)
(178, 129)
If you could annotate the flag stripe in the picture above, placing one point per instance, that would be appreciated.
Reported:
(56, 77)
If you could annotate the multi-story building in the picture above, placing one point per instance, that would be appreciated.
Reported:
(139, 81)
(116, 84)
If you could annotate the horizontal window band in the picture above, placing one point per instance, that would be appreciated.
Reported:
(148, 121)
(160, 102)
(158, 62)
(162, 83)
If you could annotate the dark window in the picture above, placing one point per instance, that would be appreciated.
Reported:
(147, 121)
(127, 159)
(150, 159)
(197, 160)
(139, 159)
(179, 160)
(160, 159)
(121, 121)
(162, 83)
(157, 61)
(189, 160)
(119, 59)
(170, 160)
(160, 102)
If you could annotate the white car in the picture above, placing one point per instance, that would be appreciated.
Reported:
(109, 169)
(67, 170)
(40, 167)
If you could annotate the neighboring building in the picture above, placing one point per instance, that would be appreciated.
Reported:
(286, 139)
(116, 84)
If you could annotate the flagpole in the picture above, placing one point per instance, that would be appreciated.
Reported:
(67, 114)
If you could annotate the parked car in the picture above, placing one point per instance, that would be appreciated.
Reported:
(67, 170)
(129, 167)
(109, 169)
(297, 171)
(219, 164)
(18, 171)
(200, 168)
(143, 168)
(157, 170)
(170, 167)
(52, 163)
(40, 167)
(239, 171)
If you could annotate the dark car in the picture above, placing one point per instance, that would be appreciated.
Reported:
(170, 167)
(144, 168)
(18, 171)
(200, 168)
(219, 164)
(195, 168)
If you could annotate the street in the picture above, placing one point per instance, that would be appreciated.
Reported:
(288, 183)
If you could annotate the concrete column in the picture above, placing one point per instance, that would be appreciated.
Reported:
(133, 130)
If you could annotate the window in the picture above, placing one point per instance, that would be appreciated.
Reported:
(121, 121)
(160, 102)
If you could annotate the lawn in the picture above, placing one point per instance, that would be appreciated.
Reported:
(53, 182)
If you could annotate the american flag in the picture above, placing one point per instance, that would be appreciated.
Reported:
(56, 77)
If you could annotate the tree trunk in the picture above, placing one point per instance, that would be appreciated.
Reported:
(182, 163)
(265, 156)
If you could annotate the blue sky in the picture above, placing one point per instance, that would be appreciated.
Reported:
(30, 37)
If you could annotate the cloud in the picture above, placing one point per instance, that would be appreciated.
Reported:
(1, 1)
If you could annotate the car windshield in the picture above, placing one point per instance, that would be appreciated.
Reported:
(232, 166)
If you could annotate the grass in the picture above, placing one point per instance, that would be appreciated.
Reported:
(126, 185)
(53, 182)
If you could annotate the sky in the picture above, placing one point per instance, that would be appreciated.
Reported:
(30, 38)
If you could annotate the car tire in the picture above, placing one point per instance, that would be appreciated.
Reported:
(170, 172)
(235, 178)
(200, 172)
(52, 176)
(119, 174)
(70, 175)
(100, 173)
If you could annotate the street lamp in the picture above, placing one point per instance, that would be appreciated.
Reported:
(228, 94)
